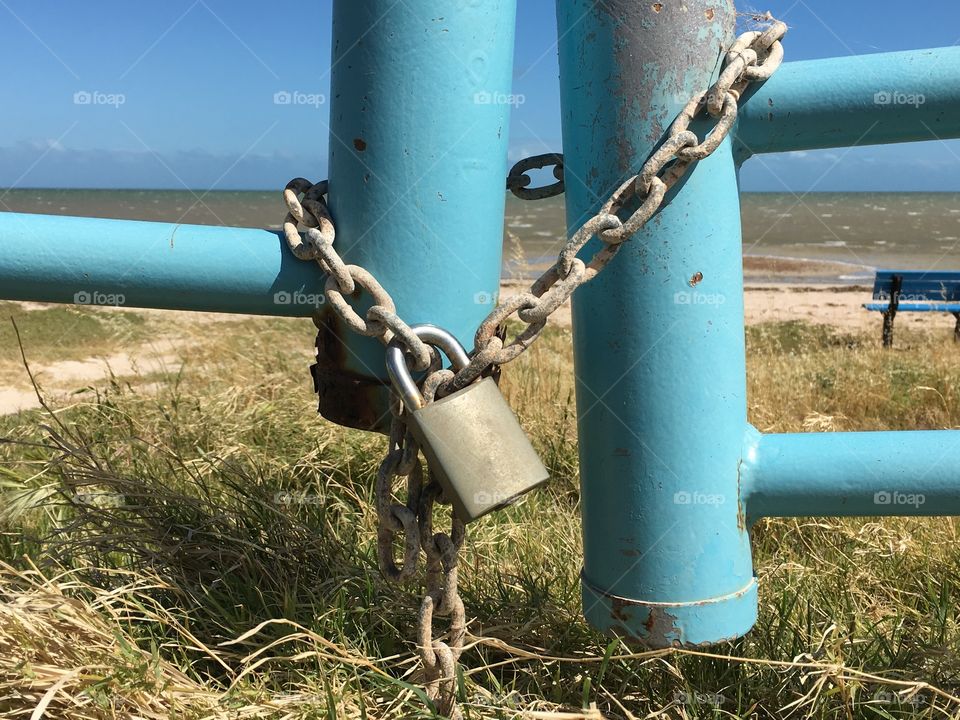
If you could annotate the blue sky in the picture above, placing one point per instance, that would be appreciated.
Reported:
(197, 80)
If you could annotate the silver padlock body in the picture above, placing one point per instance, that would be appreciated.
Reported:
(477, 450)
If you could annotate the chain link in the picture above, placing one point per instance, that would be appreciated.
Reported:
(414, 520)
(754, 56)
(518, 181)
(442, 597)
(306, 206)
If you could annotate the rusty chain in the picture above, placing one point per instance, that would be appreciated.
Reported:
(380, 320)
(415, 521)
(442, 594)
(518, 181)
(754, 56)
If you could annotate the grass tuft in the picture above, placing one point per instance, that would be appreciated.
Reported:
(202, 546)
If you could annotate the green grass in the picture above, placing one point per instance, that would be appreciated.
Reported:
(144, 531)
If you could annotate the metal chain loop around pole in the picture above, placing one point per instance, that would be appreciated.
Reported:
(754, 56)
(306, 206)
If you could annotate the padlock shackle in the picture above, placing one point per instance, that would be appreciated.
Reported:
(399, 371)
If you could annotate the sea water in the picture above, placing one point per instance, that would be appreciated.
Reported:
(847, 235)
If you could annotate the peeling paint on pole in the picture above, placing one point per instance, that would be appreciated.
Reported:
(661, 382)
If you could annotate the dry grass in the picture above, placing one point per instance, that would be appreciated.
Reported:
(203, 547)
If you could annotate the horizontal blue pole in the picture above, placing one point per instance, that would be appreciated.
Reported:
(852, 473)
(853, 100)
(58, 259)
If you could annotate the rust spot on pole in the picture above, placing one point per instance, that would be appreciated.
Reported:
(696, 278)
(617, 608)
(346, 398)
(360, 144)
(708, 14)
(662, 629)
(657, 7)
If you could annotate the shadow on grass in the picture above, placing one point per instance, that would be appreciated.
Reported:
(231, 545)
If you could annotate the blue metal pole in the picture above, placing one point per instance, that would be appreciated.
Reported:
(49, 258)
(852, 473)
(855, 100)
(659, 352)
(418, 158)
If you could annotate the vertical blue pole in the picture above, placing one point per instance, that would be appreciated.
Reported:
(420, 102)
(659, 351)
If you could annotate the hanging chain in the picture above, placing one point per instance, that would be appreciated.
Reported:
(442, 593)
(414, 519)
(754, 56)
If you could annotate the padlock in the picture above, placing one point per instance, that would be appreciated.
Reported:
(471, 439)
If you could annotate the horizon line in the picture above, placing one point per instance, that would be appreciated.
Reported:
(7, 190)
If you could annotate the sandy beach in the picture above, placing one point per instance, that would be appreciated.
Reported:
(839, 306)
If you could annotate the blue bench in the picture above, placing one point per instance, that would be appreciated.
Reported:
(915, 291)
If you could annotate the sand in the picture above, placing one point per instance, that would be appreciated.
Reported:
(835, 305)
(59, 379)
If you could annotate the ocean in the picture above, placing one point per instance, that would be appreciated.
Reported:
(816, 237)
